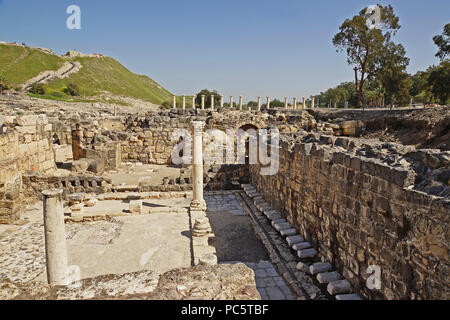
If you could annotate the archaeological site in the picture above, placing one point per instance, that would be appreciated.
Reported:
(273, 190)
(93, 199)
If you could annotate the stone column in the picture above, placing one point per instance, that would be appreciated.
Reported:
(304, 104)
(313, 100)
(174, 102)
(286, 103)
(198, 203)
(203, 102)
(231, 102)
(268, 103)
(184, 101)
(55, 238)
(295, 104)
(212, 102)
(77, 138)
(193, 101)
(221, 101)
(259, 103)
(240, 103)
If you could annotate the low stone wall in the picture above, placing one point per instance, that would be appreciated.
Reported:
(69, 185)
(25, 146)
(358, 208)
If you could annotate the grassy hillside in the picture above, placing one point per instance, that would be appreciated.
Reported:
(18, 64)
(106, 74)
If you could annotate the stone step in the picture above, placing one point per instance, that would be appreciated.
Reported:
(307, 253)
(301, 246)
(277, 221)
(294, 239)
(327, 277)
(352, 296)
(319, 267)
(264, 208)
(282, 225)
(288, 232)
(273, 217)
(339, 287)
(271, 211)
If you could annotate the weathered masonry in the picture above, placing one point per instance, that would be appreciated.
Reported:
(358, 211)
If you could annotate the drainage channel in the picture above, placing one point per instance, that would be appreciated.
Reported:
(300, 283)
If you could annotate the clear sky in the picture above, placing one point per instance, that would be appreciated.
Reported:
(238, 47)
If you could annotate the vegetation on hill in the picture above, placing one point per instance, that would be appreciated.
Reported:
(18, 64)
(106, 74)
(97, 76)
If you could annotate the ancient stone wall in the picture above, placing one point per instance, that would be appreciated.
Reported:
(25, 146)
(359, 205)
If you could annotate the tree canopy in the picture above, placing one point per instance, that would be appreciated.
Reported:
(364, 44)
(443, 43)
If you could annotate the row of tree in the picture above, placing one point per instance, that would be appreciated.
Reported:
(380, 65)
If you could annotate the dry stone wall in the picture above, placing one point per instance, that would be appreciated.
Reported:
(368, 204)
(25, 146)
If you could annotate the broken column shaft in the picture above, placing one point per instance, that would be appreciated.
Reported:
(55, 238)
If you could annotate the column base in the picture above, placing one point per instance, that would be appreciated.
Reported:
(198, 205)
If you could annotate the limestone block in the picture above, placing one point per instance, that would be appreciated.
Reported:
(135, 206)
(316, 268)
(26, 130)
(80, 166)
(339, 287)
(42, 119)
(307, 253)
(294, 239)
(28, 120)
(327, 277)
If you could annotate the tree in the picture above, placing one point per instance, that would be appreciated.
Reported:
(363, 43)
(37, 88)
(3, 84)
(207, 94)
(390, 70)
(443, 43)
(73, 89)
(439, 80)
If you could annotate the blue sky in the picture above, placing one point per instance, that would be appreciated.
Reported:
(238, 47)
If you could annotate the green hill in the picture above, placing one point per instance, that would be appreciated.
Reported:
(18, 64)
(97, 75)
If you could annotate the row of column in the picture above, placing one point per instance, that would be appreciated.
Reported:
(203, 97)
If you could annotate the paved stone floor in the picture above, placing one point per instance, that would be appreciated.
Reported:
(237, 242)
(157, 242)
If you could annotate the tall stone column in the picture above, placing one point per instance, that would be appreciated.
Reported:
(221, 101)
(231, 102)
(203, 102)
(198, 203)
(313, 100)
(268, 103)
(174, 102)
(55, 238)
(184, 101)
(295, 104)
(286, 103)
(304, 104)
(193, 101)
(259, 103)
(240, 103)
(212, 102)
